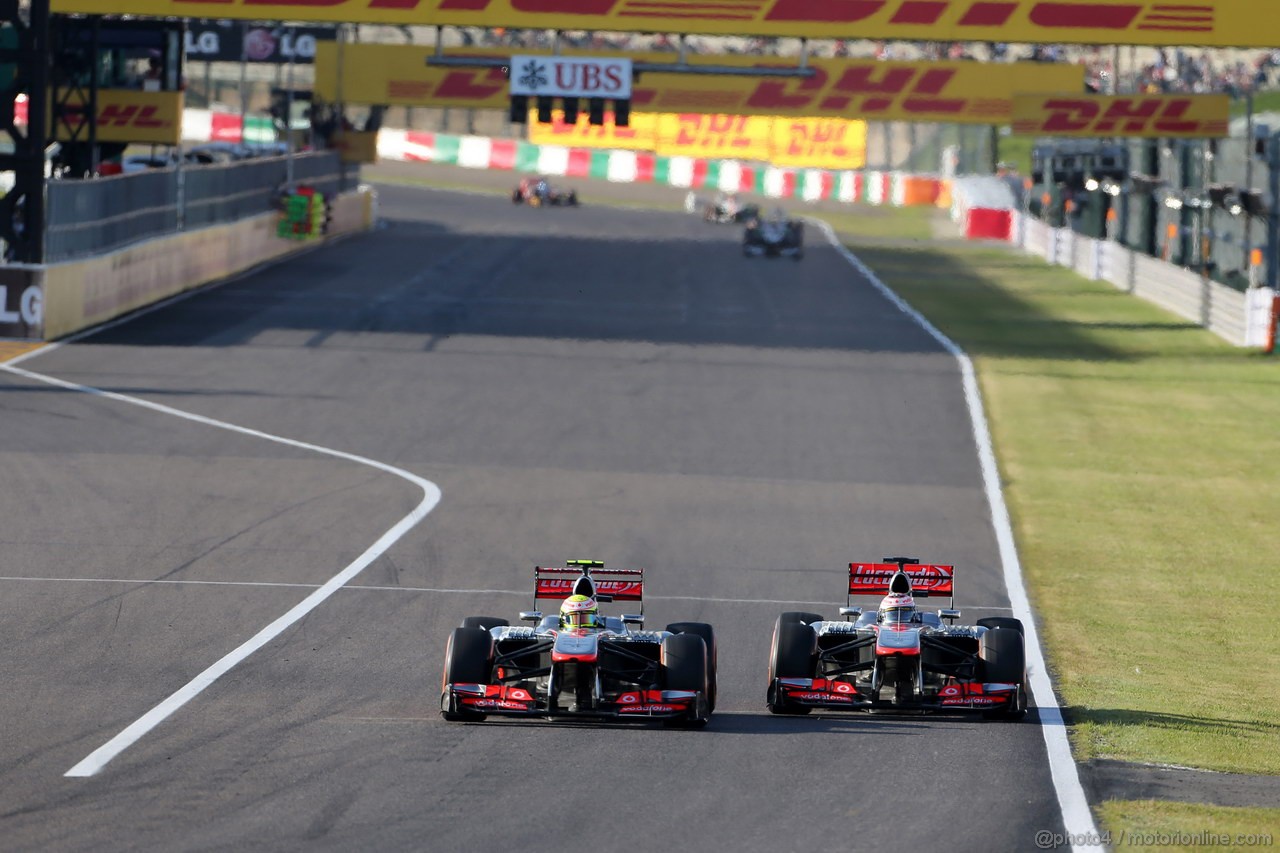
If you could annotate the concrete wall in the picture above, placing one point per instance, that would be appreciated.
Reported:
(81, 294)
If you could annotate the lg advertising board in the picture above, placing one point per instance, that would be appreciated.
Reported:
(1234, 23)
(959, 92)
(230, 41)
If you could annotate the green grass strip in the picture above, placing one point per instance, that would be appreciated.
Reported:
(1141, 459)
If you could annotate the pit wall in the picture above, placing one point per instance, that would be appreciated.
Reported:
(80, 294)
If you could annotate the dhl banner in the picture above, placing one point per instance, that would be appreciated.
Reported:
(716, 136)
(1225, 23)
(1170, 116)
(642, 134)
(959, 92)
(131, 115)
(817, 143)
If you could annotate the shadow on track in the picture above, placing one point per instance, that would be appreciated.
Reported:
(451, 265)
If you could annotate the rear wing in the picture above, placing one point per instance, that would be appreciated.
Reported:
(588, 577)
(927, 579)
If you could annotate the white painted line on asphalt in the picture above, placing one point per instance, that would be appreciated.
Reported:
(1076, 817)
(371, 588)
(99, 758)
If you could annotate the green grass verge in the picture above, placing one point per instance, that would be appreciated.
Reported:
(1189, 826)
(1141, 461)
(1017, 150)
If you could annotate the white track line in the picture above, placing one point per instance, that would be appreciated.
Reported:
(98, 759)
(1076, 816)
(370, 588)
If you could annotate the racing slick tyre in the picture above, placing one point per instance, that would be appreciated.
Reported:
(683, 666)
(468, 659)
(1001, 622)
(708, 635)
(791, 616)
(517, 197)
(484, 622)
(1004, 660)
(790, 657)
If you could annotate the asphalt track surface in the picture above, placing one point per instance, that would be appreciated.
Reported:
(595, 382)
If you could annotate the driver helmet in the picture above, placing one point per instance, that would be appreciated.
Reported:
(579, 611)
(897, 608)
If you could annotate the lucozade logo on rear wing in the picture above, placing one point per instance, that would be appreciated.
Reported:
(1241, 23)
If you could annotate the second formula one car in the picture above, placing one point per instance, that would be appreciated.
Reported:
(897, 657)
(774, 237)
(538, 192)
(725, 209)
(578, 663)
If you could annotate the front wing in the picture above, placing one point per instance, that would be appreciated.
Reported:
(515, 701)
(841, 695)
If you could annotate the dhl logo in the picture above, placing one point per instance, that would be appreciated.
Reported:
(807, 139)
(863, 90)
(116, 115)
(131, 115)
(964, 92)
(1187, 117)
(1048, 15)
(715, 132)
(124, 115)
(1239, 23)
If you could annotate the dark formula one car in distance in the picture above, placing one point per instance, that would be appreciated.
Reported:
(898, 658)
(538, 192)
(775, 237)
(613, 669)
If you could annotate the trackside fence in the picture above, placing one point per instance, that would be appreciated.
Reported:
(91, 217)
(1240, 318)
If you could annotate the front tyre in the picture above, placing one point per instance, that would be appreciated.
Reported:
(468, 659)
(792, 656)
(708, 635)
(1004, 661)
(682, 665)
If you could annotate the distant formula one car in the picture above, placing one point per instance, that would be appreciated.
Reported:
(537, 192)
(724, 210)
(577, 663)
(775, 237)
(898, 658)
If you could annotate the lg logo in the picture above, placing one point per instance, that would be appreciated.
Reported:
(30, 306)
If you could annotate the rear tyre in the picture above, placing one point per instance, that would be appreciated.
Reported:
(484, 622)
(683, 666)
(792, 656)
(468, 659)
(1004, 661)
(708, 635)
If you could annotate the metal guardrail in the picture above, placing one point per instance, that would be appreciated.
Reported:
(1240, 318)
(90, 217)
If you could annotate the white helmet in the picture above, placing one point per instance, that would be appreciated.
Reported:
(897, 608)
